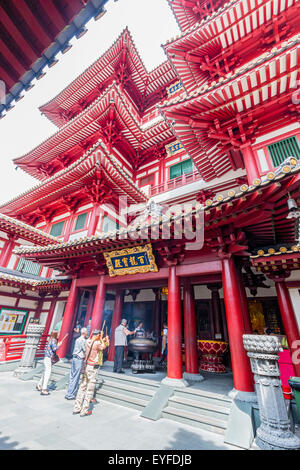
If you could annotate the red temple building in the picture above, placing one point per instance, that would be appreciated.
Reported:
(214, 129)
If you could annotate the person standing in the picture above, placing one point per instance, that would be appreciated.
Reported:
(50, 352)
(76, 334)
(89, 328)
(77, 361)
(121, 333)
(164, 343)
(88, 383)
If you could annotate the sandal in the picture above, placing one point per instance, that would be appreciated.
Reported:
(45, 393)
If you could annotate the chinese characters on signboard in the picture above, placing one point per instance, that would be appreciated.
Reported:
(139, 259)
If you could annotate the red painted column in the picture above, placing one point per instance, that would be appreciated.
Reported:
(94, 220)
(242, 375)
(289, 321)
(190, 330)
(116, 320)
(250, 163)
(66, 326)
(174, 360)
(98, 304)
(7, 251)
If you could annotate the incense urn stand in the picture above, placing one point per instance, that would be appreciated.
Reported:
(212, 354)
(34, 333)
(274, 432)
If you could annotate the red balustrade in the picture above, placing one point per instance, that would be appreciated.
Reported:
(11, 347)
(175, 183)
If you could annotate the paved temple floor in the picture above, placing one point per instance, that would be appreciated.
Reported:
(29, 421)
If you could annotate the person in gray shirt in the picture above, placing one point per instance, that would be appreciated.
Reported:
(78, 357)
(121, 333)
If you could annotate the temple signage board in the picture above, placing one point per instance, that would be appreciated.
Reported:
(138, 259)
(12, 321)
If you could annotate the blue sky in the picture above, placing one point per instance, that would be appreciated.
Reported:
(151, 23)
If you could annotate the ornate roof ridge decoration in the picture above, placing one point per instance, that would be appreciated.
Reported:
(33, 284)
(69, 28)
(215, 14)
(21, 228)
(263, 58)
(290, 166)
(113, 87)
(76, 165)
(66, 93)
(55, 176)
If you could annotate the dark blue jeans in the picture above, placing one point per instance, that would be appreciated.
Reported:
(74, 377)
(119, 356)
(164, 354)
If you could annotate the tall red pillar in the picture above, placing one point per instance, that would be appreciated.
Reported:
(250, 163)
(242, 375)
(289, 322)
(174, 356)
(68, 317)
(116, 320)
(98, 304)
(190, 331)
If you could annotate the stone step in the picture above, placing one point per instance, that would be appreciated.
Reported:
(130, 390)
(195, 420)
(120, 399)
(200, 407)
(129, 380)
(203, 395)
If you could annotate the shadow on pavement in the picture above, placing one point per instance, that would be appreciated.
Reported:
(5, 444)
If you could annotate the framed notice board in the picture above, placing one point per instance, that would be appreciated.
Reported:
(12, 321)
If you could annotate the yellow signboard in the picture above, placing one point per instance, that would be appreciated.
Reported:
(138, 259)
